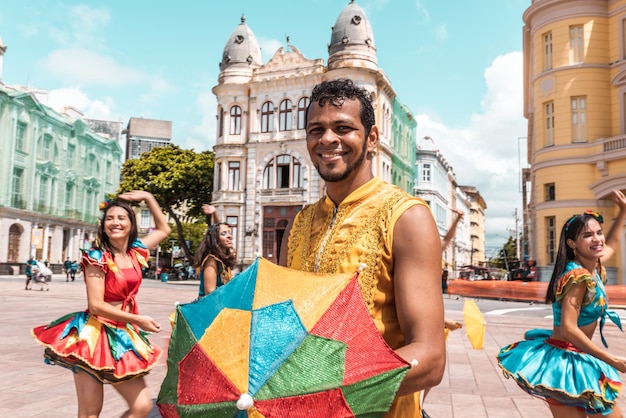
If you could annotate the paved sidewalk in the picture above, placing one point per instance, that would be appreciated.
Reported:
(473, 386)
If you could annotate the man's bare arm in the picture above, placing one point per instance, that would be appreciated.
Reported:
(419, 301)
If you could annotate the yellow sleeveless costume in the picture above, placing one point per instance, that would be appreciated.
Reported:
(337, 239)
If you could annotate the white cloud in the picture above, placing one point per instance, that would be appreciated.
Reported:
(82, 66)
(202, 136)
(422, 12)
(92, 109)
(269, 48)
(485, 153)
(88, 19)
(441, 32)
(81, 26)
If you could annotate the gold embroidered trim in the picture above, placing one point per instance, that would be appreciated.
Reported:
(371, 233)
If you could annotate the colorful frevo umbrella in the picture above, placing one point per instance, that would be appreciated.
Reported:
(474, 324)
(276, 342)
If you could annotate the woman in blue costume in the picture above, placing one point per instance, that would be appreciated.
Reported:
(107, 343)
(576, 377)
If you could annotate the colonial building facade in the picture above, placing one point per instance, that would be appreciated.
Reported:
(54, 172)
(575, 103)
(263, 175)
(436, 183)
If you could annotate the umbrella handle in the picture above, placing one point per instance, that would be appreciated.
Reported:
(244, 402)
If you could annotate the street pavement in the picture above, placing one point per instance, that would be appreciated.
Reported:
(473, 385)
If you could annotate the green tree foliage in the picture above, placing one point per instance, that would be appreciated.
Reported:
(180, 180)
(506, 256)
(193, 232)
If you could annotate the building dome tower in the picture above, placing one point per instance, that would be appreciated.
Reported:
(241, 55)
(352, 40)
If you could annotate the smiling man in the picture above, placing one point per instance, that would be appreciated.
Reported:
(363, 220)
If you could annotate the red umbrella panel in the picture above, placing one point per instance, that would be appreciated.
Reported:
(276, 342)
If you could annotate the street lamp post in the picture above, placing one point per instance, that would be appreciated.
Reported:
(172, 242)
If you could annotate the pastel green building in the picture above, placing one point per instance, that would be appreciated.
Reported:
(54, 172)
(403, 128)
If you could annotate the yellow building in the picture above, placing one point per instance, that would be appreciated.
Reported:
(575, 103)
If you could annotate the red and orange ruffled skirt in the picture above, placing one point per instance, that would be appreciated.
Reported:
(111, 352)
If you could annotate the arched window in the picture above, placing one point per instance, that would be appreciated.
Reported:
(267, 117)
(15, 232)
(220, 122)
(285, 119)
(235, 120)
(282, 172)
(303, 103)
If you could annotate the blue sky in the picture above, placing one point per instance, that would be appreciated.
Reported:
(456, 64)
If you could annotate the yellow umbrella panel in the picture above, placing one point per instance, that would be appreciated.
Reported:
(474, 324)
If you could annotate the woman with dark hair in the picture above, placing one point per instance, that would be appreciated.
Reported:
(107, 343)
(215, 258)
(576, 377)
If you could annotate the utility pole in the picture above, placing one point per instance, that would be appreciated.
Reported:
(506, 262)
(517, 237)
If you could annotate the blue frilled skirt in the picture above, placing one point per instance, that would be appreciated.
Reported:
(559, 373)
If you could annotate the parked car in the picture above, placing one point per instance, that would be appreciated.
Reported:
(527, 272)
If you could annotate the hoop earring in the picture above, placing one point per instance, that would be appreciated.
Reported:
(575, 253)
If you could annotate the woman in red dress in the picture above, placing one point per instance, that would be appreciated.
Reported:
(107, 343)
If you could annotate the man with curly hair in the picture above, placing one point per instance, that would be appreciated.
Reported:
(363, 220)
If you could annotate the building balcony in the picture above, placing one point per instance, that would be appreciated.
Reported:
(228, 196)
(73, 214)
(614, 143)
(42, 207)
(286, 195)
(18, 203)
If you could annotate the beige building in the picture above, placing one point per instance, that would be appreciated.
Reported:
(575, 103)
(263, 175)
(477, 207)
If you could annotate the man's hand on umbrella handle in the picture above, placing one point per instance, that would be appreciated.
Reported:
(451, 325)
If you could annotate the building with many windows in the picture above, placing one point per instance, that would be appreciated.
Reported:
(144, 134)
(575, 103)
(436, 183)
(404, 128)
(477, 207)
(55, 171)
(263, 175)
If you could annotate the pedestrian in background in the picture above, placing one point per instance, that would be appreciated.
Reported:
(67, 266)
(29, 270)
(73, 269)
(363, 221)
(107, 343)
(565, 367)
